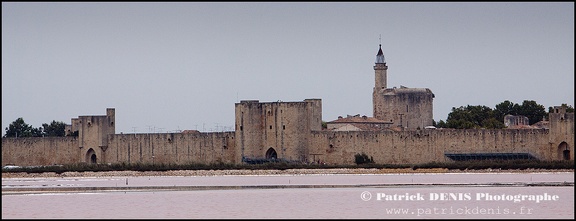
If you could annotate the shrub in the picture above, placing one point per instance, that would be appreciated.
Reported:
(362, 159)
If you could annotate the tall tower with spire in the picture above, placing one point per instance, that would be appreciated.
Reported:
(407, 108)
(380, 69)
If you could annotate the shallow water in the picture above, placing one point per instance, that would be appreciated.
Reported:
(293, 197)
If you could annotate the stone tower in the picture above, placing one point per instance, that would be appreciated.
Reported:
(277, 130)
(93, 134)
(380, 70)
(562, 133)
(409, 108)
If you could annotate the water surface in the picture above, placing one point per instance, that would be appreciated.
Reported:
(294, 196)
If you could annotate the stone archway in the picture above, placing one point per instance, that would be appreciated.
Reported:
(91, 156)
(271, 153)
(563, 151)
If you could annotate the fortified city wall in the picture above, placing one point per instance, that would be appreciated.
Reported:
(293, 131)
(422, 146)
(92, 140)
(292, 137)
(171, 148)
(32, 151)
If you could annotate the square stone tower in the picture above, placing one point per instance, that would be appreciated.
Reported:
(276, 130)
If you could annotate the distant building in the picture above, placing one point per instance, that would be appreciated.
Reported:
(541, 125)
(357, 123)
(522, 122)
(515, 120)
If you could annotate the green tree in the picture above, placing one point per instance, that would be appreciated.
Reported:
(460, 124)
(440, 124)
(492, 123)
(362, 158)
(505, 108)
(19, 128)
(569, 108)
(534, 111)
(468, 117)
(54, 129)
(529, 108)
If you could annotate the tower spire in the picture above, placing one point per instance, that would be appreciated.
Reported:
(380, 69)
(380, 56)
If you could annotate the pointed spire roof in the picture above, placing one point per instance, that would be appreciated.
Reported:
(380, 56)
(380, 51)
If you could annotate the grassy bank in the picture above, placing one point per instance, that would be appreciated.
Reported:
(459, 165)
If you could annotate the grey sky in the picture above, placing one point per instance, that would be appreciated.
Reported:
(177, 66)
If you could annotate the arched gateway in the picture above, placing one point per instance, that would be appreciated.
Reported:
(91, 156)
(271, 153)
(563, 151)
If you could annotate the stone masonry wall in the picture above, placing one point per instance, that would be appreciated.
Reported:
(294, 135)
(93, 133)
(282, 126)
(421, 146)
(411, 108)
(171, 148)
(562, 134)
(34, 151)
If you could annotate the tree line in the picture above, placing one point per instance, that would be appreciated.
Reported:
(480, 116)
(19, 128)
(463, 117)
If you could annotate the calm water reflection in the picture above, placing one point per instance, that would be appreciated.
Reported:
(288, 202)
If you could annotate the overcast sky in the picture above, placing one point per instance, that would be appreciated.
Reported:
(175, 66)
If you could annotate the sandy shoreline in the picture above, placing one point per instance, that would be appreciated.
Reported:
(268, 172)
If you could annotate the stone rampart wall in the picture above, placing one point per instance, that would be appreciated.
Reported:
(421, 146)
(171, 148)
(35, 151)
